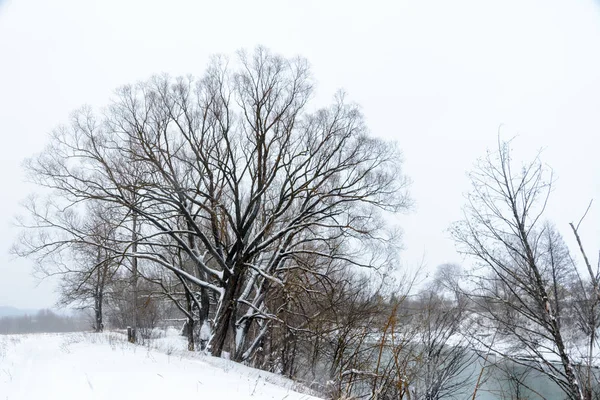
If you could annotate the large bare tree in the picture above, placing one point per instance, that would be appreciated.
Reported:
(243, 178)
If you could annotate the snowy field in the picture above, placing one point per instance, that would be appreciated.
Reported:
(81, 366)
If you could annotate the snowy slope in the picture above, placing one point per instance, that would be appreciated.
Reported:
(88, 366)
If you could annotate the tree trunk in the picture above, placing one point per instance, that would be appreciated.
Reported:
(134, 276)
(226, 320)
(190, 324)
(98, 294)
(98, 323)
(203, 315)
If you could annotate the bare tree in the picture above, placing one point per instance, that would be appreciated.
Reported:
(78, 248)
(587, 311)
(521, 286)
(240, 177)
(445, 355)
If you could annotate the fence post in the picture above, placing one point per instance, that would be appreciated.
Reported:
(130, 334)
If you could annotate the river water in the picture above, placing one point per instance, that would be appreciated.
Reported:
(505, 379)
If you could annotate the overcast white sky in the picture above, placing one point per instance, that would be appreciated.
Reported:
(438, 77)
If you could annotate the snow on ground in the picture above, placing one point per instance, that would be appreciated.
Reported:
(81, 366)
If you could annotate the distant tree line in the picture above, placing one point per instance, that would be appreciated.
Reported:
(44, 321)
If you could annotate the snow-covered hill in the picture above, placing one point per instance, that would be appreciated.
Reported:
(105, 367)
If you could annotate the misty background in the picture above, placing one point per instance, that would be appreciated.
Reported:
(443, 79)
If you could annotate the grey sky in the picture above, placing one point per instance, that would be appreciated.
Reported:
(439, 77)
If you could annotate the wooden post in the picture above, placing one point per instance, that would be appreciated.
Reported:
(130, 334)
